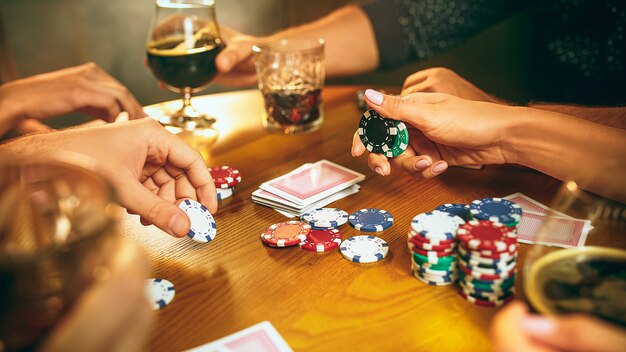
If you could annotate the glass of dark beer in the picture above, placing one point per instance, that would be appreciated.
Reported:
(182, 45)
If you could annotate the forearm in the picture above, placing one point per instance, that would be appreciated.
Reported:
(608, 116)
(9, 116)
(569, 148)
(350, 41)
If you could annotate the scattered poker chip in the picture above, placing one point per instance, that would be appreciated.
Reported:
(416, 237)
(401, 142)
(225, 176)
(436, 225)
(325, 218)
(371, 220)
(160, 292)
(460, 210)
(377, 133)
(486, 235)
(223, 193)
(496, 210)
(364, 249)
(285, 234)
(480, 302)
(203, 227)
(321, 240)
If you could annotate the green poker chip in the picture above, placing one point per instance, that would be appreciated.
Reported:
(377, 133)
(401, 142)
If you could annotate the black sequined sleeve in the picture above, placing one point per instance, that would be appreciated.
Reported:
(408, 30)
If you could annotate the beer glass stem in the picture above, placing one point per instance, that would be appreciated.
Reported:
(189, 115)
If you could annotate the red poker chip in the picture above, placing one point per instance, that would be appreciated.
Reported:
(225, 176)
(485, 303)
(431, 247)
(321, 240)
(482, 276)
(285, 234)
(447, 253)
(506, 255)
(486, 235)
(418, 237)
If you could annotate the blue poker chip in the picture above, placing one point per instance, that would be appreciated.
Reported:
(371, 220)
(496, 210)
(159, 292)
(364, 249)
(223, 193)
(436, 225)
(460, 210)
(203, 227)
(325, 218)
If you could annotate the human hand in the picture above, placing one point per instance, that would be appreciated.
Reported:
(443, 130)
(151, 169)
(444, 80)
(94, 323)
(85, 88)
(235, 62)
(515, 329)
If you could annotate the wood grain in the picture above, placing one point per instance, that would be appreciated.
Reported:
(321, 302)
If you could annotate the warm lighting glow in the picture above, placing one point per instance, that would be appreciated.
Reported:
(571, 186)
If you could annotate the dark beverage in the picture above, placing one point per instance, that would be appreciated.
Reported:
(289, 108)
(184, 68)
(580, 280)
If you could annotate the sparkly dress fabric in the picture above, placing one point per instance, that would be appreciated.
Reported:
(578, 45)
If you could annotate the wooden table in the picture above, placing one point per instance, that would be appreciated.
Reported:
(320, 302)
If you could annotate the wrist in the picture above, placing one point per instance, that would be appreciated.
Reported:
(10, 111)
(518, 134)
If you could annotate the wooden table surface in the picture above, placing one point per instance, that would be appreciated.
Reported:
(320, 302)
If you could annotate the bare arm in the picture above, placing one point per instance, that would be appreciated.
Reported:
(608, 116)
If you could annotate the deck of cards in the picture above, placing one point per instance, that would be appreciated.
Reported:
(310, 186)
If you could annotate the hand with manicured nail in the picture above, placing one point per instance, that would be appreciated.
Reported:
(515, 329)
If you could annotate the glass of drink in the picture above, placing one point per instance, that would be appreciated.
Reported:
(589, 279)
(291, 77)
(183, 43)
(57, 227)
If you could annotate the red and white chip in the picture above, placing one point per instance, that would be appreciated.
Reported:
(485, 235)
(321, 240)
(285, 234)
(225, 176)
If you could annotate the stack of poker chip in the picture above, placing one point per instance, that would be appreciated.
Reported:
(497, 210)
(382, 135)
(324, 235)
(225, 179)
(432, 240)
(487, 253)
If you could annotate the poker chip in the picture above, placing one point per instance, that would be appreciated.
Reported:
(223, 193)
(496, 210)
(429, 254)
(364, 249)
(321, 240)
(430, 282)
(487, 270)
(482, 276)
(377, 133)
(203, 227)
(430, 247)
(225, 176)
(416, 237)
(401, 142)
(480, 293)
(285, 234)
(460, 210)
(159, 292)
(443, 266)
(487, 286)
(325, 218)
(436, 225)
(484, 303)
(487, 235)
(426, 270)
(371, 220)
(484, 257)
(419, 258)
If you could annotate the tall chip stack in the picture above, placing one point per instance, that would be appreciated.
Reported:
(487, 253)
(432, 240)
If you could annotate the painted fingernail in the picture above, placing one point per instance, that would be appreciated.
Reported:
(538, 325)
(422, 164)
(440, 167)
(374, 96)
(379, 171)
(177, 225)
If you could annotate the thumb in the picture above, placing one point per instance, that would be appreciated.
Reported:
(411, 109)
(233, 54)
(156, 210)
(575, 333)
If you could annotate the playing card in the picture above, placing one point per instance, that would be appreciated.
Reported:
(261, 337)
(529, 204)
(311, 183)
(301, 210)
(560, 232)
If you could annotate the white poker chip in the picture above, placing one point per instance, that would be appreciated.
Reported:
(436, 225)
(364, 249)
(223, 193)
(203, 227)
(159, 292)
(325, 217)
